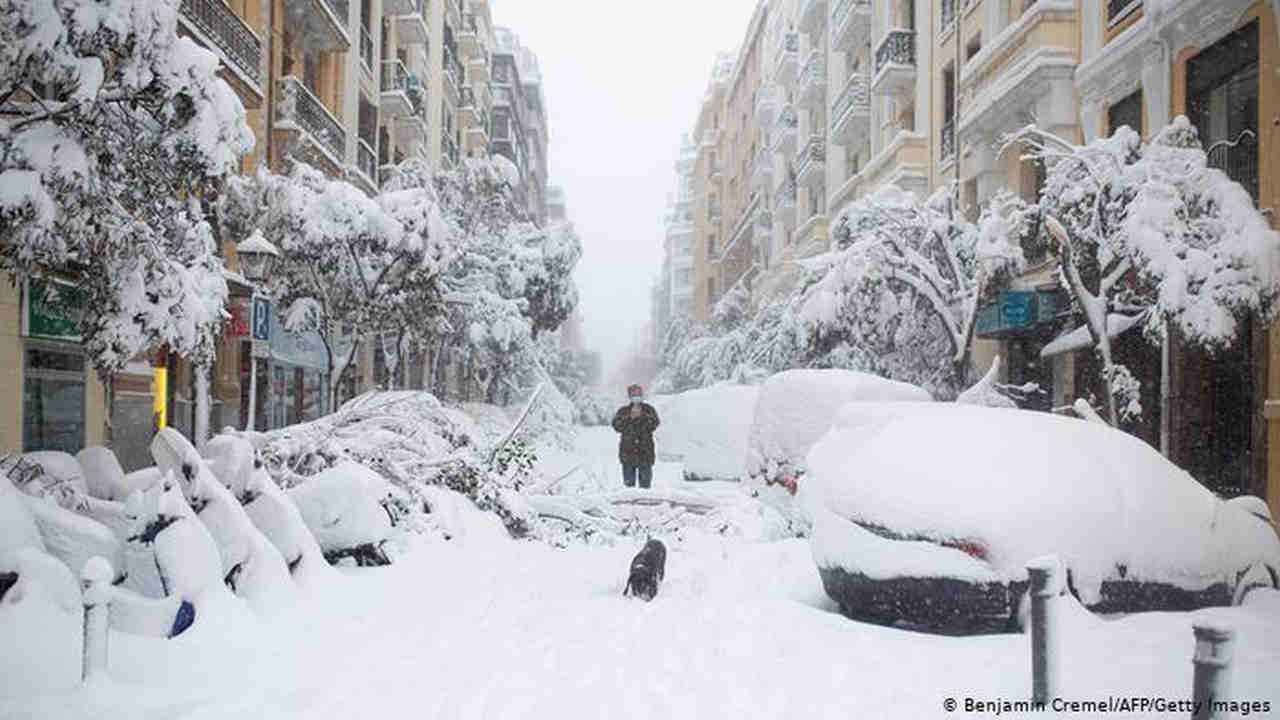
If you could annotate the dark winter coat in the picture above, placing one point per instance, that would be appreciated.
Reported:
(636, 444)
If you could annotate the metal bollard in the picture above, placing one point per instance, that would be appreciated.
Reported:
(1046, 585)
(1215, 645)
(95, 580)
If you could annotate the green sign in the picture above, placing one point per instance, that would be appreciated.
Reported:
(54, 310)
(1016, 311)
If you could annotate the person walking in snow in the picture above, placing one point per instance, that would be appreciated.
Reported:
(636, 422)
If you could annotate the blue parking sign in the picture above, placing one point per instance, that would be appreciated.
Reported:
(261, 319)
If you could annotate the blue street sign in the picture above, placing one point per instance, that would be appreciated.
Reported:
(261, 319)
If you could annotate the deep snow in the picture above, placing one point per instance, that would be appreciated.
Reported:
(486, 627)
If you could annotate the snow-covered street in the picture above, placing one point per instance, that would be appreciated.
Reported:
(487, 627)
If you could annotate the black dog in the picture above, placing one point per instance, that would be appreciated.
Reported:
(647, 570)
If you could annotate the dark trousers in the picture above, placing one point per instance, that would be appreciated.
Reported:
(629, 473)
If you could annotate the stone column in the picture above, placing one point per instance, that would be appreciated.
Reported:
(1091, 119)
(1156, 82)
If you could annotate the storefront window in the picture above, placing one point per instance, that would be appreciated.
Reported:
(312, 394)
(53, 398)
(279, 418)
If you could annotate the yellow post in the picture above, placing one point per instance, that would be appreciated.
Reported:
(160, 396)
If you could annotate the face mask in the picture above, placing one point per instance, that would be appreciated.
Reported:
(637, 399)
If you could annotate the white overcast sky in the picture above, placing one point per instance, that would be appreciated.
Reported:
(622, 81)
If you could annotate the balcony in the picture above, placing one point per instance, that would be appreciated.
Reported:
(478, 68)
(239, 49)
(365, 173)
(452, 74)
(811, 163)
(469, 35)
(766, 105)
(850, 24)
(948, 12)
(448, 150)
(762, 170)
(394, 98)
(788, 58)
(410, 130)
(298, 111)
(478, 130)
(784, 131)
(411, 27)
(851, 115)
(812, 15)
(468, 110)
(322, 23)
(947, 141)
(811, 88)
(895, 63)
(784, 203)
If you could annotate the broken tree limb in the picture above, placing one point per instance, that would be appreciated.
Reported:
(524, 415)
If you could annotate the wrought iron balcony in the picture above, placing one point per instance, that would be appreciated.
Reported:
(788, 58)
(411, 26)
(850, 24)
(766, 105)
(851, 114)
(322, 22)
(811, 163)
(811, 89)
(449, 149)
(469, 34)
(947, 140)
(452, 73)
(813, 13)
(895, 63)
(395, 89)
(784, 131)
(216, 26)
(299, 109)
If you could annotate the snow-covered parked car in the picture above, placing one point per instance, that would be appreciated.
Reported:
(795, 408)
(343, 507)
(929, 513)
(706, 429)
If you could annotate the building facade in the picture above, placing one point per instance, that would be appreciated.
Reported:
(352, 87)
(856, 94)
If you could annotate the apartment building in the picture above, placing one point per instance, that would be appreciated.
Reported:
(857, 94)
(351, 87)
(520, 131)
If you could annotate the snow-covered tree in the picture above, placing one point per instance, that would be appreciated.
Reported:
(1152, 232)
(351, 266)
(113, 128)
(506, 279)
(899, 295)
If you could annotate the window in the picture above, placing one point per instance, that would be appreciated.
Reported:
(1222, 102)
(1126, 112)
(711, 247)
(53, 398)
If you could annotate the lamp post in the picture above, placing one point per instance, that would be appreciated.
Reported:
(258, 258)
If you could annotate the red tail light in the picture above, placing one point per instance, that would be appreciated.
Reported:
(972, 548)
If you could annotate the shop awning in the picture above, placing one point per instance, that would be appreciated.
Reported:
(1079, 339)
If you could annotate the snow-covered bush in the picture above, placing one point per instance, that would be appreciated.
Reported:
(411, 441)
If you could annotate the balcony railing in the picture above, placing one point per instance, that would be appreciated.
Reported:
(468, 97)
(449, 149)
(855, 96)
(340, 9)
(366, 160)
(1118, 10)
(229, 33)
(366, 48)
(788, 52)
(845, 8)
(1238, 159)
(394, 76)
(812, 157)
(300, 107)
(814, 74)
(897, 48)
(947, 140)
(948, 13)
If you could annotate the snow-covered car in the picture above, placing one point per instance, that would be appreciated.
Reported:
(794, 409)
(929, 513)
(706, 429)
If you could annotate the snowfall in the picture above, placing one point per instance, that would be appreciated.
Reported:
(484, 626)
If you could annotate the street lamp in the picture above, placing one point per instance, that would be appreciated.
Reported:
(258, 258)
